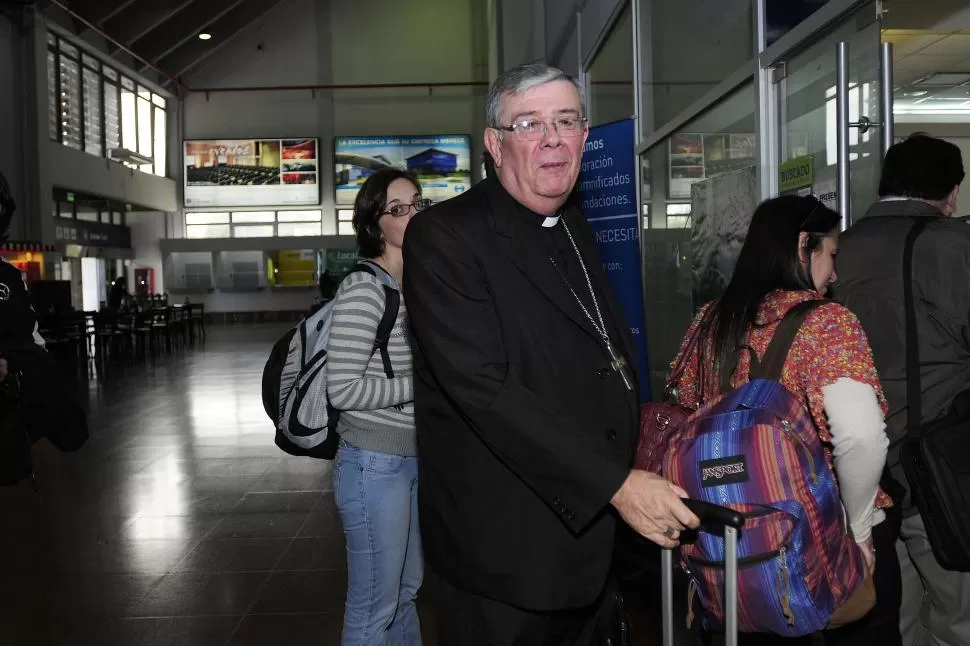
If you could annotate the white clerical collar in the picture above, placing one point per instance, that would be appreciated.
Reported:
(550, 222)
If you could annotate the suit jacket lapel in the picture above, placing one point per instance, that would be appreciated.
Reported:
(534, 263)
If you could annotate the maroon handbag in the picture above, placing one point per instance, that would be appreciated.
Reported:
(659, 419)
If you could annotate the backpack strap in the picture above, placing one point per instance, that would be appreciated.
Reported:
(773, 362)
(392, 303)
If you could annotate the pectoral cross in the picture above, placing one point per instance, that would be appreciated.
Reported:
(619, 365)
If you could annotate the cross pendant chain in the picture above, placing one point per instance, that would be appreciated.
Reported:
(617, 362)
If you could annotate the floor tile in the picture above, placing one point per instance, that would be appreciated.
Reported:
(235, 555)
(194, 594)
(318, 629)
(316, 591)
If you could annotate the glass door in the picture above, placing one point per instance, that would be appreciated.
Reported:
(831, 122)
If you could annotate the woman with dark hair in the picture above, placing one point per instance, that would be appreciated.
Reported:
(375, 476)
(788, 258)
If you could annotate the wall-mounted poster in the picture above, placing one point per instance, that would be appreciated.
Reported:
(251, 172)
(442, 163)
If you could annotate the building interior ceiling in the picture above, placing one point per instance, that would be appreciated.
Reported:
(163, 34)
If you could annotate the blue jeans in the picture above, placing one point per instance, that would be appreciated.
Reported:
(377, 497)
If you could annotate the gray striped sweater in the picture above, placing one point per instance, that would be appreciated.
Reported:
(377, 413)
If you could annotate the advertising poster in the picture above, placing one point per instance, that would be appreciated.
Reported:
(609, 202)
(796, 176)
(441, 162)
(251, 172)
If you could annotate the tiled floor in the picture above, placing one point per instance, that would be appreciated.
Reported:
(179, 523)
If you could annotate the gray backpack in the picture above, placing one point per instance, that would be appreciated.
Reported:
(295, 376)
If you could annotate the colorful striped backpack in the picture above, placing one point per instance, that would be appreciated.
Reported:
(755, 449)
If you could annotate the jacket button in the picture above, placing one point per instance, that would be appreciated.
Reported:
(610, 434)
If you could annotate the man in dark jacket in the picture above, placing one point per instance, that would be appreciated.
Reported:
(525, 397)
(921, 179)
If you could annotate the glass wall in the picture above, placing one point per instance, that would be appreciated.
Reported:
(687, 48)
(254, 224)
(700, 185)
(610, 76)
(95, 108)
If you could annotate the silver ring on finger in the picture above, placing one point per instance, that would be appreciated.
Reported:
(669, 532)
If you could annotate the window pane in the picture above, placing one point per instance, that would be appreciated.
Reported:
(254, 231)
(117, 218)
(90, 61)
(127, 83)
(87, 214)
(345, 229)
(207, 218)
(111, 73)
(68, 48)
(53, 101)
(92, 112)
(70, 104)
(144, 93)
(251, 217)
(158, 100)
(129, 123)
(161, 142)
(300, 216)
(112, 122)
(298, 229)
(51, 39)
(145, 132)
(207, 231)
(345, 215)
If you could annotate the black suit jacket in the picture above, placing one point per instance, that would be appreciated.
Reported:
(524, 431)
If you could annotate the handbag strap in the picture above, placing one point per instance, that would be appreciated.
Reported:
(693, 343)
(914, 384)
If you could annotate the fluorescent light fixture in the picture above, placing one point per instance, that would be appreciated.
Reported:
(130, 156)
(205, 35)
(921, 110)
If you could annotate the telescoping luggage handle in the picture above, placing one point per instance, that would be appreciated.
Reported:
(732, 521)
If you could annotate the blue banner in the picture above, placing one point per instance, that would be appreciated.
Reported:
(609, 195)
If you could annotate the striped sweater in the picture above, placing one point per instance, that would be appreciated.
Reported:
(377, 413)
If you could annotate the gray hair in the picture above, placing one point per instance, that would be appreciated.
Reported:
(521, 79)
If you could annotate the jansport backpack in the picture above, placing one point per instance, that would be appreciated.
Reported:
(755, 449)
(295, 376)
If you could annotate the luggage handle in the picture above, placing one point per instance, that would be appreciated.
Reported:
(732, 521)
(711, 514)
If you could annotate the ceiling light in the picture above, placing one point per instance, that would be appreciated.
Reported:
(205, 36)
(917, 93)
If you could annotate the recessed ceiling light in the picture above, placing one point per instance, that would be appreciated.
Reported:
(917, 93)
(205, 36)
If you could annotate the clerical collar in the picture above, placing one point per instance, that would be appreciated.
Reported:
(544, 221)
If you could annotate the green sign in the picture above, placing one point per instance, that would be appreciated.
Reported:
(340, 261)
(70, 197)
(795, 175)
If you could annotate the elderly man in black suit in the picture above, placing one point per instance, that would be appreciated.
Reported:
(525, 391)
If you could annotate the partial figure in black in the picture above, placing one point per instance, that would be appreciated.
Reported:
(35, 399)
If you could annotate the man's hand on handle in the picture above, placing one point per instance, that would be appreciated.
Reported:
(652, 506)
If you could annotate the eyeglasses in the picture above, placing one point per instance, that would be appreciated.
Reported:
(535, 129)
(400, 210)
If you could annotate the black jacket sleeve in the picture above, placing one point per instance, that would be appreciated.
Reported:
(17, 317)
(458, 334)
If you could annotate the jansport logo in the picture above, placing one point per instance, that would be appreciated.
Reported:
(722, 471)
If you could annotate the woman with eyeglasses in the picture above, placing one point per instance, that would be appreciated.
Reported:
(375, 476)
(788, 258)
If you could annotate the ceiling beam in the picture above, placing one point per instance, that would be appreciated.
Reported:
(231, 29)
(161, 20)
(114, 12)
(192, 33)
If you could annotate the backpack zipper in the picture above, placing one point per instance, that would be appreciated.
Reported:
(790, 431)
